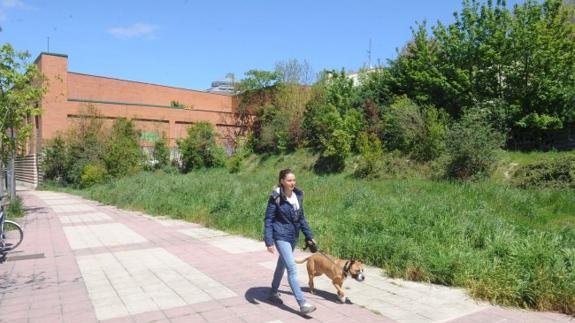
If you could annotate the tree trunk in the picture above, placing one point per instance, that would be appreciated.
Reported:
(2, 182)
(11, 177)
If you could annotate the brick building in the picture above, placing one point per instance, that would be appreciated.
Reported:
(156, 110)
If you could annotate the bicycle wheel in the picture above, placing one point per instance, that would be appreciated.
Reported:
(13, 235)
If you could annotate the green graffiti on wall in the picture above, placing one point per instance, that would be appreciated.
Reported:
(149, 136)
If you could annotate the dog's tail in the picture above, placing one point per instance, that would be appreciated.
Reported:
(301, 261)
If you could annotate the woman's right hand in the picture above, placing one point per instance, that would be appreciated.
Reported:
(271, 249)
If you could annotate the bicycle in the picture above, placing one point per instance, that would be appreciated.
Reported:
(11, 234)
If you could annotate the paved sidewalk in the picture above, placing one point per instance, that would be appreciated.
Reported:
(85, 262)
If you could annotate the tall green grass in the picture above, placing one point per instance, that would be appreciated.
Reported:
(506, 245)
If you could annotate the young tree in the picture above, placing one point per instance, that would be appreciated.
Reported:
(21, 89)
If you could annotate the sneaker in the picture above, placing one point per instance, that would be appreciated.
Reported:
(307, 308)
(275, 297)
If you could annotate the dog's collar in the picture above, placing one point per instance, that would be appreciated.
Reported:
(346, 268)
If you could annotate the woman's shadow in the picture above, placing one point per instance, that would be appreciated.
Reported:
(257, 295)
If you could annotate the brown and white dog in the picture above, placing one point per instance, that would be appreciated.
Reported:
(336, 269)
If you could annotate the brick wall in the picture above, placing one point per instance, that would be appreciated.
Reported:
(148, 105)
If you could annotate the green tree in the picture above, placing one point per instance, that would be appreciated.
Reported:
(278, 99)
(21, 89)
(521, 62)
(258, 79)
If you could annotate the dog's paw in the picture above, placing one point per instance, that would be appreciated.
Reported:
(342, 299)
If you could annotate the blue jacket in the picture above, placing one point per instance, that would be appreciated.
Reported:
(282, 223)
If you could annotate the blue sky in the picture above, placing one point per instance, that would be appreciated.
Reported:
(189, 44)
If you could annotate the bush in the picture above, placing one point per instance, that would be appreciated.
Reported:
(55, 163)
(234, 163)
(123, 155)
(67, 155)
(369, 164)
(15, 209)
(93, 173)
(199, 149)
(555, 174)
(70, 158)
(337, 148)
(161, 153)
(419, 132)
(472, 146)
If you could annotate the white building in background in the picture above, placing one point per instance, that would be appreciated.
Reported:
(355, 76)
(224, 86)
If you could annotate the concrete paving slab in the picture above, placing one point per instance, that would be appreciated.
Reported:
(203, 233)
(73, 208)
(85, 218)
(236, 245)
(101, 235)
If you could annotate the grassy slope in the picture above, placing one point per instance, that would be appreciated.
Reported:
(506, 245)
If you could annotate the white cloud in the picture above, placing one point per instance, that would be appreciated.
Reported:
(13, 4)
(6, 5)
(136, 30)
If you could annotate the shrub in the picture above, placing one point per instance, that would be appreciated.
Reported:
(93, 173)
(403, 125)
(419, 132)
(369, 164)
(87, 143)
(200, 149)
(15, 209)
(555, 174)
(161, 153)
(337, 148)
(472, 145)
(123, 155)
(55, 163)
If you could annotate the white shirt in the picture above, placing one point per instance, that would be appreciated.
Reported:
(293, 201)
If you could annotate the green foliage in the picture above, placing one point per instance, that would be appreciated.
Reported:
(337, 147)
(93, 173)
(555, 174)
(56, 163)
(419, 132)
(15, 209)
(257, 80)
(78, 156)
(21, 89)
(122, 153)
(472, 146)
(278, 99)
(331, 121)
(523, 59)
(161, 153)
(200, 149)
(371, 154)
(85, 143)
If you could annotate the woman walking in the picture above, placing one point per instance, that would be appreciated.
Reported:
(284, 219)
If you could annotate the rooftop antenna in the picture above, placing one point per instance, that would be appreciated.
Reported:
(48, 43)
(369, 55)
